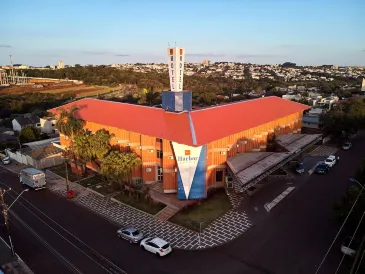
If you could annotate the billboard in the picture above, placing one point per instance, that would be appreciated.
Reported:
(176, 59)
(191, 171)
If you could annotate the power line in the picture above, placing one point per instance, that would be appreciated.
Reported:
(358, 266)
(353, 236)
(343, 224)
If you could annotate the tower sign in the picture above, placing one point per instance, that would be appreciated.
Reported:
(176, 67)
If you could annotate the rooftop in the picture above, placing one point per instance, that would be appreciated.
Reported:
(246, 167)
(194, 128)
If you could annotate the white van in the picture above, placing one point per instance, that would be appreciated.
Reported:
(33, 178)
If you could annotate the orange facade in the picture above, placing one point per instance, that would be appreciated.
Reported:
(158, 157)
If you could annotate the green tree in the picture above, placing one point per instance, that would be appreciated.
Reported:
(119, 165)
(82, 146)
(29, 134)
(68, 124)
(100, 145)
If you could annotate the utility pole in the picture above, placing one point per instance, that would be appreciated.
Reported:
(5, 214)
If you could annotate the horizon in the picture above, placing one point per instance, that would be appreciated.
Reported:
(322, 32)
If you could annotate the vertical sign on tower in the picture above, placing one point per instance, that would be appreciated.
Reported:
(176, 67)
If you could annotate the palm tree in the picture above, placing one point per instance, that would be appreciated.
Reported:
(69, 125)
(119, 165)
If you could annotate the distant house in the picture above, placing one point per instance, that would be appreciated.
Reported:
(29, 120)
(48, 125)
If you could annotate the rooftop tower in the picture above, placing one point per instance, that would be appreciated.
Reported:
(176, 100)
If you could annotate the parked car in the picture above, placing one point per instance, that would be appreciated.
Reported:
(156, 246)
(321, 168)
(6, 160)
(346, 145)
(33, 178)
(130, 234)
(300, 168)
(331, 160)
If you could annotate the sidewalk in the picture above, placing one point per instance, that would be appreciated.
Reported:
(226, 228)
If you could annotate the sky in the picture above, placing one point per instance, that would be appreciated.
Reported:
(306, 32)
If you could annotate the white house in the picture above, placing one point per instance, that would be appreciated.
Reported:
(48, 125)
(28, 120)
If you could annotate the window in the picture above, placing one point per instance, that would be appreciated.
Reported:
(159, 174)
(135, 233)
(159, 140)
(159, 154)
(219, 176)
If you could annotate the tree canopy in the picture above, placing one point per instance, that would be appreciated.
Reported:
(345, 118)
(29, 134)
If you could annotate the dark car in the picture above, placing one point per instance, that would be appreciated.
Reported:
(322, 168)
(300, 168)
(346, 145)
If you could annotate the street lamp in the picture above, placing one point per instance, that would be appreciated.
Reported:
(5, 213)
(356, 181)
(27, 189)
(200, 231)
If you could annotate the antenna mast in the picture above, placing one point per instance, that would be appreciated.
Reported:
(12, 68)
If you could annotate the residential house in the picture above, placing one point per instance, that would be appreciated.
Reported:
(27, 120)
(48, 125)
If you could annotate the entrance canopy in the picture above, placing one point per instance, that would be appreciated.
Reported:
(248, 169)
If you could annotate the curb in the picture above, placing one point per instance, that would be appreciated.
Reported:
(95, 192)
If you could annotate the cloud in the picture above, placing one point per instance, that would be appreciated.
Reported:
(205, 54)
(122, 55)
(5, 46)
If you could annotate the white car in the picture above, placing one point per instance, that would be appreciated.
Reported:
(156, 246)
(330, 161)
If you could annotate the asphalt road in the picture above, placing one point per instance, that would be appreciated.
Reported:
(54, 235)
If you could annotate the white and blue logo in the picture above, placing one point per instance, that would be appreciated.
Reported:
(191, 171)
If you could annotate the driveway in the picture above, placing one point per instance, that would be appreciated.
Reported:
(297, 233)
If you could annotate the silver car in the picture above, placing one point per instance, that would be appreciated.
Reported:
(131, 234)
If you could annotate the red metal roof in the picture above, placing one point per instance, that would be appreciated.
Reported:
(217, 122)
(193, 128)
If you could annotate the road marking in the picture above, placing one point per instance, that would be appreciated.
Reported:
(110, 270)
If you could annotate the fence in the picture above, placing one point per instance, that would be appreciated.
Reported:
(50, 161)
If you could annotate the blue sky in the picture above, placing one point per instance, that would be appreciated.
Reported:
(42, 32)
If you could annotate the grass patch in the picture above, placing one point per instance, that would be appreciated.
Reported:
(91, 181)
(104, 188)
(150, 207)
(207, 211)
(60, 170)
